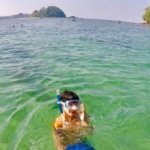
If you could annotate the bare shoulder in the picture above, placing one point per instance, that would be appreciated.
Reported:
(58, 123)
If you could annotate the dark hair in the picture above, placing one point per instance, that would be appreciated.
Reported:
(68, 95)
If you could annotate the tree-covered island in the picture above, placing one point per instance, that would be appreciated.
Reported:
(51, 11)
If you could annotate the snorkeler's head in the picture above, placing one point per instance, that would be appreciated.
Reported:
(68, 95)
(70, 101)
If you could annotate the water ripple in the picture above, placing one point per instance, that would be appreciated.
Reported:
(106, 63)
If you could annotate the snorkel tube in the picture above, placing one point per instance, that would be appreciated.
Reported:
(59, 105)
(59, 102)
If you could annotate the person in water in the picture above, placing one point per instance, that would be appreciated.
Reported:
(72, 126)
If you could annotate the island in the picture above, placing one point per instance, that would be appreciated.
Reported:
(72, 17)
(51, 11)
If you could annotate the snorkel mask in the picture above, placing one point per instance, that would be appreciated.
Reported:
(72, 104)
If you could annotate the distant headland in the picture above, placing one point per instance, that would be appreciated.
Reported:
(51, 11)
(20, 15)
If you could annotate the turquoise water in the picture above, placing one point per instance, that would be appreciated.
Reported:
(107, 64)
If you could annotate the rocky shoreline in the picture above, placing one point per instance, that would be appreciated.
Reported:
(145, 24)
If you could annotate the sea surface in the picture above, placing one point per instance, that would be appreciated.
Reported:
(107, 64)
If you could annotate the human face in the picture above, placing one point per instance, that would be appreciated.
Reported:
(71, 106)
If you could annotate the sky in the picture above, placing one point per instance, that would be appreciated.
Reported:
(124, 10)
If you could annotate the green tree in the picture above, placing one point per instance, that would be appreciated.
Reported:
(35, 13)
(146, 16)
(42, 12)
